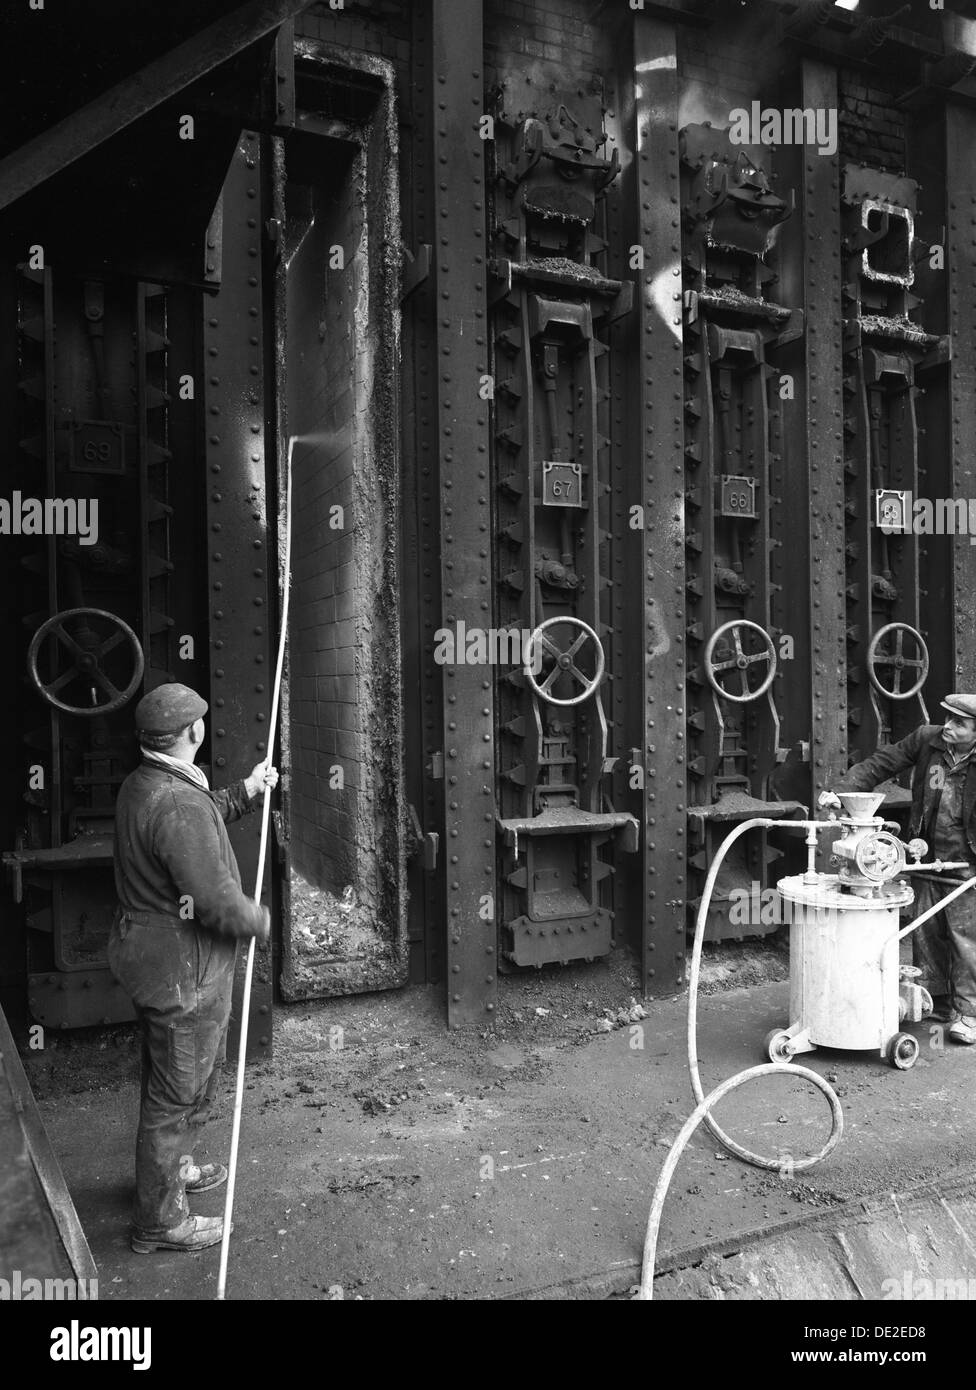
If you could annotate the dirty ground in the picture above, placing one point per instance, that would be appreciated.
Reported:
(383, 1157)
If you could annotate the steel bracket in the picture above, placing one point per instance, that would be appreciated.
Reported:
(416, 269)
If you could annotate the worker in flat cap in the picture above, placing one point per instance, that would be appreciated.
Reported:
(173, 948)
(943, 812)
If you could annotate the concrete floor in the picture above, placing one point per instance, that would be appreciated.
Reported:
(411, 1163)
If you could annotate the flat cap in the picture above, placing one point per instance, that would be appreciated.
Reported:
(168, 709)
(961, 704)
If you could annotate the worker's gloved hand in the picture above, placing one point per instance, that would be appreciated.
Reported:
(829, 801)
(262, 774)
(262, 933)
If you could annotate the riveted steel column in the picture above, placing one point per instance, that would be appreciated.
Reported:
(961, 270)
(421, 520)
(241, 664)
(462, 360)
(650, 398)
(820, 197)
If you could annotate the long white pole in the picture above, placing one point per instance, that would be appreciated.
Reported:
(259, 879)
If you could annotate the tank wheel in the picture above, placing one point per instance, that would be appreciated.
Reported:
(902, 1051)
(777, 1045)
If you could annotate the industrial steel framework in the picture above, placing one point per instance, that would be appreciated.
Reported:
(666, 401)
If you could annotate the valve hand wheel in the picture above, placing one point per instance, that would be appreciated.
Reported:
(564, 662)
(880, 856)
(740, 661)
(87, 651)
(898, 661)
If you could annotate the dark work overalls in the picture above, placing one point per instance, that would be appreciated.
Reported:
(945, 946)
(173, 857)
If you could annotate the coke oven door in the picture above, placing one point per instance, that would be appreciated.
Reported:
(343, 833)
(100, 569)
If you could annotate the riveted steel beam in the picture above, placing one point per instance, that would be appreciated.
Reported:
(465, 519)
(960, 260)
(421, 591)
(238, 561)
(935, 281)
(152, 345)
(648, 472)
(807, 477)
(84, 130)
(820, 202)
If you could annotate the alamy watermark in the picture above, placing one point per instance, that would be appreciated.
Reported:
(21, 1288)
(78, 1343)
(913, 1288)
(756, 906)
(899, 512)
(766, 125)
(487, 646)
(50, 516)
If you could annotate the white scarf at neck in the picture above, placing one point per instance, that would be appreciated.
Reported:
(180, 764)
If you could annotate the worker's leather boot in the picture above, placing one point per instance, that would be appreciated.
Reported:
(963, 1030)
(193, 1233)
(201, 1177)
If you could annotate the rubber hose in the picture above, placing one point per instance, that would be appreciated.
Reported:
(703, 1109)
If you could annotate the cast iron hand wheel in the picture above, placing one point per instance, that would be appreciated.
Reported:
(740, 662)
(87, 652)
(880, 856)
(564, 660)
(898, 660)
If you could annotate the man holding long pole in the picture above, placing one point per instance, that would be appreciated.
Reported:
(173, 949)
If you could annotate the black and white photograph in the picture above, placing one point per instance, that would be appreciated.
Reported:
(488, 544)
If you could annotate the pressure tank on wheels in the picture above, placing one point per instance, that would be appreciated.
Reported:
(844, 959)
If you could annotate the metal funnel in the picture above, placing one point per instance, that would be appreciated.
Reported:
(861, 805)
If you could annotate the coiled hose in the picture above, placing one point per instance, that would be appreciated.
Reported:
(705, 1103)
